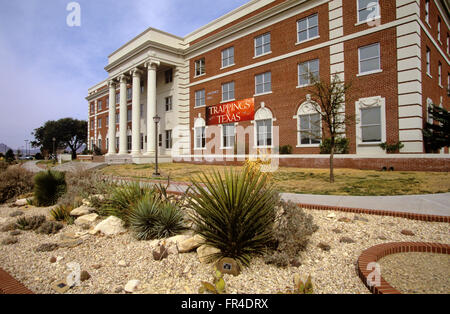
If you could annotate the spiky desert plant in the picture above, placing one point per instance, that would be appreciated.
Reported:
(170, 220)
(48, 187)
(234, 212)
(30, 223)
(62, 213)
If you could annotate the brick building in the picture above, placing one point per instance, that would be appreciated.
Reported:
(395, 54)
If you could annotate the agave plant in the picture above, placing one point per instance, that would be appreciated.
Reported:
(62, 213)
(234, 213)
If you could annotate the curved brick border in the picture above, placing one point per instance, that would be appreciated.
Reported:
(374, 253)
(9, 285)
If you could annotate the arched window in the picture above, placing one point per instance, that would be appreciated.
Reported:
(309, 125)
(263, 127)
(199, 133)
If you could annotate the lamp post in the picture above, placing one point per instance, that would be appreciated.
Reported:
(54, 153)
(156, 119)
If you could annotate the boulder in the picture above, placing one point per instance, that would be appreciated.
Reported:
(110, 226)
(177, 239)
(84, 275)
(132, 286)
(190, 244)
(407, 232)
(21, 202)
(86, 219)
(204, 251)
(82, 210)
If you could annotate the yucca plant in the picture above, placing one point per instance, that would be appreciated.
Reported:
(48, 187)
(62, 213)
(152, 218)
(234, 213)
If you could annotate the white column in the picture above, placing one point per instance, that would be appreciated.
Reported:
(112, 118)
(136, 113)
(123, 148)
(151, 105)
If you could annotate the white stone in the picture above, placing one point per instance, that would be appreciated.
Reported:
(132, 285)
(110, 226)
(86, 219)
(21, 202)
(122, 263)
(332, 215)
(190, 244)
(81, 211)
(177, 239)
(204, 251)
(59, 258)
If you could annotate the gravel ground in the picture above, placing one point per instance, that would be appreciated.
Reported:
(417, 272)
(332, 271)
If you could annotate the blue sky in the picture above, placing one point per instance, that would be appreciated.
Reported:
(47, 66)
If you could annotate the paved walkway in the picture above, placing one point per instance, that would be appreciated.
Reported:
(68, 166)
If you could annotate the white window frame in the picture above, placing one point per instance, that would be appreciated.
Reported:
(301, 65)
(263, 44)
(439, 29)
(308, 27)
(428, 60)
(427, 11)
(141, 111)
(263, 83)
(169, 140)
(359, 9)
(307, 108)
(200, 65)
(196, 98)
(117, 98)
(379, 60)
(99, 123)
(199, 126)
(262, 114)
(99, 105)
(227, 57)
(117, 117)
(129, 115)
(223, 127)
(370, 102)
(168, 103)
(129, 93)
(429, 116)
(99, 142)
(228, 84)
(440, 74)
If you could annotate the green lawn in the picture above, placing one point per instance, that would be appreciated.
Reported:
(311, 181)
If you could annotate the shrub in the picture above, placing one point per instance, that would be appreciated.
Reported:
(15, 181)
(9, 156)
(48, 187)
(62, 213)
(38, 156)
(30, 223)
(392, 148)
(50, 227)
(285, 150)
(152, 218)
(234, 213)
(292, 230)
(3, 165)
(341, 146)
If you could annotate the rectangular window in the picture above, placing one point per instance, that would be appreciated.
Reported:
(428, 61)
(439, 29)
(117, 117)
(142, 87)
(369, 58)
(308, 28)
(142, 141)
(427, 11)
(99, 105)
(228, 135)
(264, 132)
(100, 143)
(440, 74)
(129, 93)
(92, 108)
(160, 140)
(107, 121)
(200, 98)
(200, 67)
(169, 76)
(263, 83)
(129, 142)
(92, 124)
(117, 143)
(309, 129)
(168, 139)
(128, 115)
(371, 124)
(200, 138)
(168, 103)
(448, 44)
(306, 71)
(99, 123)
(227, 57)
(228, 91)
(117, 98)
(262, 44)
(368, 10)
(107, 102)
(142, 110)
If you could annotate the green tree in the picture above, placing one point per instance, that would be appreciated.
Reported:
(68, 133)
(9, 157)
(436, 134)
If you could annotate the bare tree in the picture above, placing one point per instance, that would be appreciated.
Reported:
(328, 100)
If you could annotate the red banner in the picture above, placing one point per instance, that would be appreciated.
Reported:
(230, 112)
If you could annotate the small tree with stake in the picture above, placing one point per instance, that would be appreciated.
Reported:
(329, 102)
(437, 135)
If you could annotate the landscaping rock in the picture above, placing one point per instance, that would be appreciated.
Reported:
(331, 216)
(161, 253)
(110, 226)
(118, 289)
(52, 259)
(190, 244)
(81, 211)
(15, 233)
(46, 247)
(132, 286)
(407, 232)
(346, 240)
(9, 241)
(16, 213)
(344, 219)
(295, 262)
(382, 237)
(84, 275)
(8, 227)
(204, 251)
(96, 266)
(228, 265)
(21, 202)
(70, 243)
(356, 217)
(324, 246)
(177, 239)
(3, 220)
(86, 219)
(337, 230)
(122, 263)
